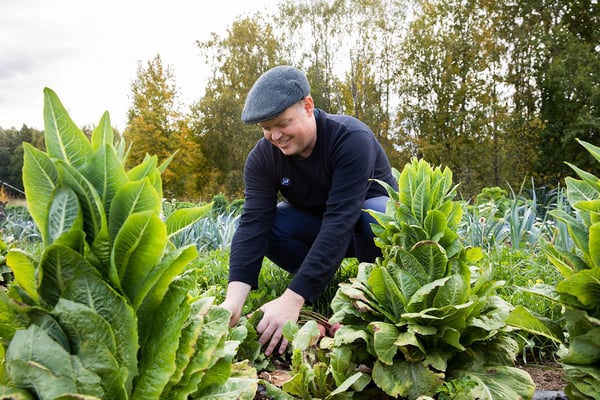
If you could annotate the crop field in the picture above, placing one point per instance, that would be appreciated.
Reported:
(110, 291)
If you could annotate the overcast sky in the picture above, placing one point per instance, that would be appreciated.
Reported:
(88, 52)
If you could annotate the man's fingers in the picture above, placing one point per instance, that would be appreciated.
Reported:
(284, 345)
(275, 338)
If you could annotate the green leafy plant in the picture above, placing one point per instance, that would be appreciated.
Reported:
(110, 309)
(579, 291)
(424, 317)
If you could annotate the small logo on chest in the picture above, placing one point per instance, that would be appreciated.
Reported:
(286, 181)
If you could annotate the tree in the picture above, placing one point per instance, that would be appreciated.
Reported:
(349, 59)
(450, 98)
(247, 50)
(11, 153)
(157, 127)
(569, 85)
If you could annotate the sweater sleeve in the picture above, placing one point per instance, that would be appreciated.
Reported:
(251, 238)
(353, 159)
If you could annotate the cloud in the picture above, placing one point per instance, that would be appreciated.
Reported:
(89, 51)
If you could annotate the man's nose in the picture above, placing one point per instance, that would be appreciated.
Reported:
(276, 135)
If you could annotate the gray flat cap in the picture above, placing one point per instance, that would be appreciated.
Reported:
(273, 92)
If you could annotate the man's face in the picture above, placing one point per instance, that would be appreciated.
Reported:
(294, 132)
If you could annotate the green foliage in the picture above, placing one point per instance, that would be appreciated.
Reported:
(579, 290)
(312, 372)
(220, 205)
(495, 196)
(11, 156)
(248, 49)
(110, 309)
(424, 313)
(155, 125)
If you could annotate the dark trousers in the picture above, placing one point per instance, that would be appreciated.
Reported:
(295, 230)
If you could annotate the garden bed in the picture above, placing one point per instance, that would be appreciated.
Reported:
(548, 378)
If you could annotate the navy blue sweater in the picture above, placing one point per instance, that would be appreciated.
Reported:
(332, 183)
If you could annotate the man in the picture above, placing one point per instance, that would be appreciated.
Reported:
(324, 166)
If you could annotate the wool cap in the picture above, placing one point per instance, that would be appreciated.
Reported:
(273, 92)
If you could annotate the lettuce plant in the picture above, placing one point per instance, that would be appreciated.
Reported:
(424, 317)
(109, 308)
(579, 291)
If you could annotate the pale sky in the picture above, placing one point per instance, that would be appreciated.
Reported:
(88, 52)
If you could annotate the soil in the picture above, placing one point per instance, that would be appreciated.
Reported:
(547, 377)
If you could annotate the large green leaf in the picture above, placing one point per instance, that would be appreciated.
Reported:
(184, 217)
(233, 388)
(137, 249)
(454, 291)
(410, 274)
(133, 197)
(585, 285)
(388, 296)
(99, 359)
(106, 173)
(94, 292)
(583, 381)
(595, 245)
(10, 322)
(94, 217)
(501, 383)
(408, 379)
(520, 317)
(432, 258)
(40, 178)
(423, 297)
(187, 342)
(59, 266)
(23, 266)
(220, 371)
(435, 225)
(64, 214)
(64, 140)
(384, 341)
(147, 169)
(209, 349)
(156, 283)
(421, 201)
(99, 256)
(584, 349)
(158, 354)
(93, 340)
(35, 360)
(592, 149)
(103, 133)
(82, 324)
(11, 393)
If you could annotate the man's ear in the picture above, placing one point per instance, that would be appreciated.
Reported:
(309, 104)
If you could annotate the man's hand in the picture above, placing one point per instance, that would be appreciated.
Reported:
(235, 299)
(276, 314)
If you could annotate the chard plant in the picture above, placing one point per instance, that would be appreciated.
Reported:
(579, 291)
(424, 319)
(110, 309)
